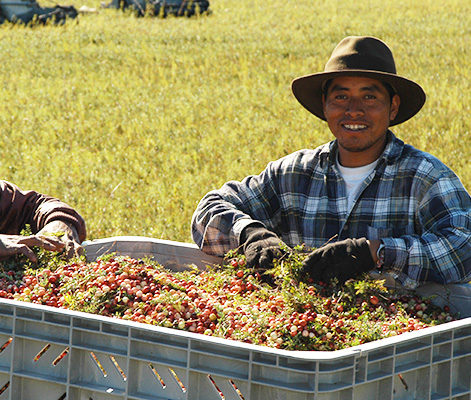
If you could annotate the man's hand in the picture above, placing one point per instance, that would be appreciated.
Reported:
(70, 237)
(18, 244)
(342, 260)
(260, 246)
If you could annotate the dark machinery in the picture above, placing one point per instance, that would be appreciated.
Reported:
(162, 7)
(29, 11)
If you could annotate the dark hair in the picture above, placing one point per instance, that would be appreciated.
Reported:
(387, 86)
(390, 89)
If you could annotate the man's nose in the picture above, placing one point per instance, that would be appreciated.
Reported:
(354, 108)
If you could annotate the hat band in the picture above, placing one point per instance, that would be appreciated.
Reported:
(357, 62)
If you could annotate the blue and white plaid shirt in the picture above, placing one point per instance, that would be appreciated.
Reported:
(411, 201)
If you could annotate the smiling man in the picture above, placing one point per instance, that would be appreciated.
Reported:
(365, 201)
(358, 111)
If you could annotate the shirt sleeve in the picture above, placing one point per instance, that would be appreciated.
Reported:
(222, 214)
(442, 252)
(19, 208)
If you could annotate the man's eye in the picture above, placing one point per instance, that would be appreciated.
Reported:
(370, 97)
(340, 97)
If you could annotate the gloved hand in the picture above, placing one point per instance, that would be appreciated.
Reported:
(342, 260)
(260, 246)
(70, 237)
(18, 244)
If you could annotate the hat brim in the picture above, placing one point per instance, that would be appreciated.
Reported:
(308, 91)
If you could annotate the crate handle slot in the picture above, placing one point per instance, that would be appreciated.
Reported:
(63, 396)
(237, 390)
(174, 374)
(41, 352)
(157, 375)
(403, 381)
(120, 370)
(98, 363)
(60, 357)
(6, 344)
(5, 387)
(221, 394)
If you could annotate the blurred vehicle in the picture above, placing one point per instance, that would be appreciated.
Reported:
(162, 7)
(28, 11)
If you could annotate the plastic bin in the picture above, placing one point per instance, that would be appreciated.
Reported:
(48, 353)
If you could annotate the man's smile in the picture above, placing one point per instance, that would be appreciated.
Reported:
(354, 127)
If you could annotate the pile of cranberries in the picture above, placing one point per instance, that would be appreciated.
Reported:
(232, 302)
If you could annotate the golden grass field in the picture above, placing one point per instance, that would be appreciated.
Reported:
(132, 120)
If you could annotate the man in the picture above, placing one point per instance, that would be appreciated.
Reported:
(365, 201)
(45, 215)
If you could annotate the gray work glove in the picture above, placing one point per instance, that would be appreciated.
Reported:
(70, 237)
(260, 246)
(342, 260)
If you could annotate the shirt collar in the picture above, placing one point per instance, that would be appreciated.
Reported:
(391, 153)
(393, 150)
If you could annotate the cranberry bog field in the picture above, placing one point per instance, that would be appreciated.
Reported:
(132, 120)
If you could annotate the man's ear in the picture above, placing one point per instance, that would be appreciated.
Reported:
(323, 103)
(395, 103)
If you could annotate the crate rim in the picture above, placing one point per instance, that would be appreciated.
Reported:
(137, 238)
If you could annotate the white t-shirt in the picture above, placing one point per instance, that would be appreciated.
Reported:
(353, 178)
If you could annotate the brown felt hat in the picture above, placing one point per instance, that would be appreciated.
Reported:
(360, 56)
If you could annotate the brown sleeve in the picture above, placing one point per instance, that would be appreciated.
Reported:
(19, 208)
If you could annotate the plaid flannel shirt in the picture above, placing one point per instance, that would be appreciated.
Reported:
(411, 201)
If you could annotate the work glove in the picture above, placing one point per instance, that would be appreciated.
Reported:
(342, 260)
(69, 237)
(19, 244)
(260, 246)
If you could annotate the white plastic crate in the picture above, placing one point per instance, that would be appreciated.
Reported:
(105, 358)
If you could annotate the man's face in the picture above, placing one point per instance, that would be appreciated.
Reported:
(358, 111)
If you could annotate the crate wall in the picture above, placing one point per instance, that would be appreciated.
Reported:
(59, 354)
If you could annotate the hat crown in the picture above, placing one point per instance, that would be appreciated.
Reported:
(361, 53)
